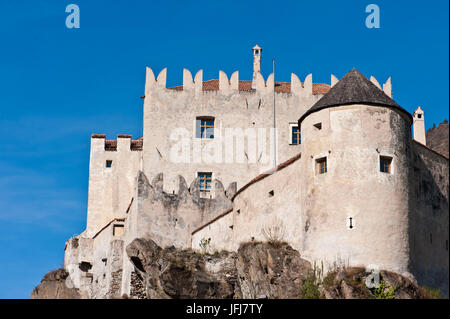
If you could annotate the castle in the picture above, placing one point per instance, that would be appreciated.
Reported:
(330, 169)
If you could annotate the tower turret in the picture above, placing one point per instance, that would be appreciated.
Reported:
(419, 126)
(256, 63)
(355, 179)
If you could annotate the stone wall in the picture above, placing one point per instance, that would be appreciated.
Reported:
(167, 110)
(95, 264)
(110, 188)
(169, 219)
(354, 214)
(430, 220)
(312, 211)
(266, 209)
(218, 233)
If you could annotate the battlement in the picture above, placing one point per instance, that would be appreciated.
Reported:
(168, 218)
(194, 191)
(123, 140)
(227, 85)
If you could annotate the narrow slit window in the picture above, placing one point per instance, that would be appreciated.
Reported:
(205, 127)
(295, 135)
(108, 163)
(205, 180)
(385, 164)
(321, 165)
(351, 223)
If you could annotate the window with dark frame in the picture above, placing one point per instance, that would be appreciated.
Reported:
(108, 163)
(118, 230)
(385, 164)
(321, 165)
(205, 180)
(296, 138)
(205, 127)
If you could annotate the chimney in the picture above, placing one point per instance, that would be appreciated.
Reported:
(256, 64)
(419, 126)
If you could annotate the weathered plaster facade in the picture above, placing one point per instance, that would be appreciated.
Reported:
(352, 213)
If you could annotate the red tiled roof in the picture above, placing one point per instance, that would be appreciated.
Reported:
(281, 87)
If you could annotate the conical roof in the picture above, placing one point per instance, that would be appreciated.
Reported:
(354, 88)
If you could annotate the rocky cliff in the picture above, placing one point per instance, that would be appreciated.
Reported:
(55, 285)
(256, 271)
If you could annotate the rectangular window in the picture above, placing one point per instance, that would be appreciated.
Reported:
(321, 165)
(108, 163)
(118, 230)
(295, 135)
(205, 180)
(205, 128)
(385, 164)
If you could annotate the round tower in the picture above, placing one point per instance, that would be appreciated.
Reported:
(355, 177)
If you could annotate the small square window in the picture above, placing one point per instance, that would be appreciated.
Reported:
(205, 180)
(108, 163)
(321, 165)
(295, 135)
(419, 116)
(205, 128)
(385, 164)
(118, 230)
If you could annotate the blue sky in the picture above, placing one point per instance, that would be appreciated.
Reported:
(59, 85)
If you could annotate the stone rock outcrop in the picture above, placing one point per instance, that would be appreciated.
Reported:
(349, 283)
(172, 273)
(274, 271)
(257, 270)
(55, 285)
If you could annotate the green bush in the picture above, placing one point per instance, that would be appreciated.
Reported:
(384, 291)
(310, 288)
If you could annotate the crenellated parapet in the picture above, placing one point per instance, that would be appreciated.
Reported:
(168, 218)
(228, 85)
(301, 89)
(123, 142)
